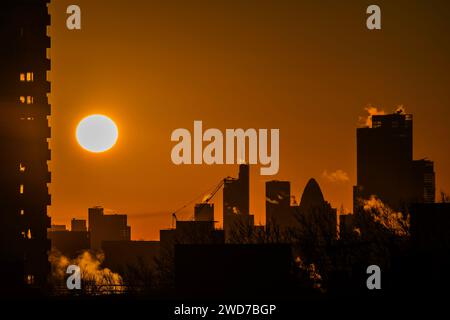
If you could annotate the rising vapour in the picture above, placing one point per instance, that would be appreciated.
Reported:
(95, 279)
(400, 109)
(394, 221)
(372, 111)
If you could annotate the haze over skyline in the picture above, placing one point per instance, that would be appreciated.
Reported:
(157, 66)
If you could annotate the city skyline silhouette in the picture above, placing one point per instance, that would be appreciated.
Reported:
(359, 207)
(234, 66)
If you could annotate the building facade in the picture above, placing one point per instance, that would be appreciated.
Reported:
(385, 165)
(236, 204)
(107, 227)
(204, 212)
(279, 214)
(24, 135)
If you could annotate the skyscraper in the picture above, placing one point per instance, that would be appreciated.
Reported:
(236, 193)
(24, 133)
(385, 166)
(317, 218)
(278, 205)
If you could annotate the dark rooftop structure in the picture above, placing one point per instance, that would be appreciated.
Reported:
(232, 269)
(107, 227)
(121, 255)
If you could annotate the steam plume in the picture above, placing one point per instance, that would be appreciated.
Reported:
(400, 109)
(95, 280)
(372, 111)
(388, 218)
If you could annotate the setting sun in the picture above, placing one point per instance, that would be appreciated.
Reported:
(97, 133)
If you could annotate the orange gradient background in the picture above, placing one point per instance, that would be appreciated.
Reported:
(307, 68)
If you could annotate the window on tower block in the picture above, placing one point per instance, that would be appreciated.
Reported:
(26, 76)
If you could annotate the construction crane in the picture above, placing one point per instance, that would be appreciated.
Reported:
(215, 190)
(174, 220)
(211, 195)
(205, 200)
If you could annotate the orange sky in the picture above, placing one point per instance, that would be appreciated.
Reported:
(308, 68)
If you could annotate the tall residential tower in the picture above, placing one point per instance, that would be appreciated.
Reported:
(24, 135)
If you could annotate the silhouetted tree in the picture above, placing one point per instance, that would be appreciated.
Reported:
(165, 269)
(140, 277)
